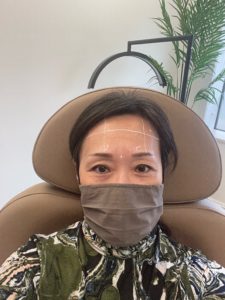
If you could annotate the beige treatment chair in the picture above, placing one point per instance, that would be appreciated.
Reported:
(193, 219)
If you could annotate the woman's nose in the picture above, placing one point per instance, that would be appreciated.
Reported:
(122, 176)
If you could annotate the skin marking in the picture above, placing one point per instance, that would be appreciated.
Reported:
(121, 130)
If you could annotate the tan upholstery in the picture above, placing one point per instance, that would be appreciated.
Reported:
(39, 209)
(45, 209)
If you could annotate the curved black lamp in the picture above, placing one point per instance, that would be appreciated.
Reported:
(108, 60)
(188, 39)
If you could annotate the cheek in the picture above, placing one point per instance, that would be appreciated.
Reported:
(80, 168)
(160, 171)
(159, 168)
(159, 179)
(83, 176)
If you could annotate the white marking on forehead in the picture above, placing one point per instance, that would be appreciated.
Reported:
(121, 130)
(124, 139)
(105, 147)
(105, 128)
(143, 129)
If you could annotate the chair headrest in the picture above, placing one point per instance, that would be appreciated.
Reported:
(198, 171)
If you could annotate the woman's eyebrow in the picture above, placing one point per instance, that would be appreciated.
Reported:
(101, 154)
(143, 154)
(110, 155)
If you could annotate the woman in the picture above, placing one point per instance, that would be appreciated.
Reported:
(121, 145)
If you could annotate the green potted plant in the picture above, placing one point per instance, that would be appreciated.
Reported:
(205, 19)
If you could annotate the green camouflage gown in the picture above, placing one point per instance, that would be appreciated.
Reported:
(77, 264)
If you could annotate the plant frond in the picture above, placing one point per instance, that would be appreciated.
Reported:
(165, 24)
(208, 94)
(171, 88)
(219, 78)
(205, 19)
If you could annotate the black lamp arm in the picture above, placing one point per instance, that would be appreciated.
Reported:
(143, 57)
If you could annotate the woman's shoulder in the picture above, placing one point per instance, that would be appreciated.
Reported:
(179, 254)
(202, 273)
(23, 267)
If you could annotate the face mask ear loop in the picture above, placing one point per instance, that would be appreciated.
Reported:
(163, 169)
(77, 178)
(76, 171)
(163, 176)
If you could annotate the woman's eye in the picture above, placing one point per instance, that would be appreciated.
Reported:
(101, 169)
(143, 168)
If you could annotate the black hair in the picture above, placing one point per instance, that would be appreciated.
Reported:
(120, 103)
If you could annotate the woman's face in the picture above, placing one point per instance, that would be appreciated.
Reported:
(122, 149)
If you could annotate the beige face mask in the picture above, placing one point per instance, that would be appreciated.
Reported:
(122, 214)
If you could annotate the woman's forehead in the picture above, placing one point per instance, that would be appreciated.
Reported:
(127, 134)
(128, 124)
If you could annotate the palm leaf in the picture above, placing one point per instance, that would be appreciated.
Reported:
(165, 25)
(211, 92)
(205, 19)
(219, 78)
(171, 88)
(208, 94)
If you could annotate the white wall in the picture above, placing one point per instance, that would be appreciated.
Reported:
(49, 49)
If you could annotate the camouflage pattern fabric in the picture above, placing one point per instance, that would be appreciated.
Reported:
(77, 264)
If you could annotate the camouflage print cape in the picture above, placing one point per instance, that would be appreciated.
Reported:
(77, 264)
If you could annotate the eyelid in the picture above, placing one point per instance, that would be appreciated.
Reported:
(150, 167)
(94, 168)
